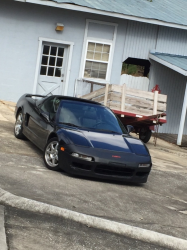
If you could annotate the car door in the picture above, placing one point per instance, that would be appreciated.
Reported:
(39, 126)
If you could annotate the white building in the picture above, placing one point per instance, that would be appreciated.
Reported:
(96, 38)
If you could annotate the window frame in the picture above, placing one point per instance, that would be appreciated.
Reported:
(109, 62)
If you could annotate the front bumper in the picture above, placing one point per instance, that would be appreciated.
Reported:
(105, 167)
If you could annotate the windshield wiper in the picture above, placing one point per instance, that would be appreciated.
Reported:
(110, 131)
(69, 124)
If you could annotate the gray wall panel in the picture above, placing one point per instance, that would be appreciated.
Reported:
(173, 85)
(21, 26)
(140, 38)
(172, 41)
(101, 31)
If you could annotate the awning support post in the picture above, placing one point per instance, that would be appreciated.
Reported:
(183, 116)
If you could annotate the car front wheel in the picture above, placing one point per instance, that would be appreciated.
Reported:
(51, 154)
(18, 128)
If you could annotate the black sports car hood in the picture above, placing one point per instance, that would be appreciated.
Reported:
(106, 141)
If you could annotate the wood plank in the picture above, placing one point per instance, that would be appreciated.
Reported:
(161, 106)
(136, 101)
(131, 109)
(146, 94)
(99, 99)
(139, 102)
(162, 98)
(94, 94)
(123, 97)
(116, 88)
(140, 93)
(114, 96)
(155, 102)
(106, 94)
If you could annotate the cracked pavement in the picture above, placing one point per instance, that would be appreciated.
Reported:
(159, 205)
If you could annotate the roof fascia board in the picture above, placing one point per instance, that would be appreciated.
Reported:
(105, 13)
(169, 65)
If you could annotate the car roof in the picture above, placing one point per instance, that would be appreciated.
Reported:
(73, 99)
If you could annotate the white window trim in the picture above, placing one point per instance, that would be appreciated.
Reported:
(69, 59)
(106, 62)
(97, 40)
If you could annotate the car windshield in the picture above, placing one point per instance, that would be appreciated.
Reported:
(89, 116)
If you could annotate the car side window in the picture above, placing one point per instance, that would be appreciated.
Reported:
(50, 106)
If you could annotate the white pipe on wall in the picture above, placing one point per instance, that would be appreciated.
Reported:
(183, 117)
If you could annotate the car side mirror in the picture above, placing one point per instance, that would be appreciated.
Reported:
(45, 115)
(130, 128)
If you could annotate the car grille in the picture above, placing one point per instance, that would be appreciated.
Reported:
(114, 170)
(81, 166)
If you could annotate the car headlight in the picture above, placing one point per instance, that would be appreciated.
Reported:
(83, 157)
(144, 165)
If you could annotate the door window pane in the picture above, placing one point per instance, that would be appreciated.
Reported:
(53, 51)
(52, 61)
(61, 52)
(59, 62)
(44, 60)
(58, 72)
(50, 71)
(43, 70)
(46, 50)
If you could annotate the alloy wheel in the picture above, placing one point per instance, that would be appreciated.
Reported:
(51, 154)
(18, 124)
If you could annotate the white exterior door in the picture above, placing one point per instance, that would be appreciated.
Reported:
(52, 72)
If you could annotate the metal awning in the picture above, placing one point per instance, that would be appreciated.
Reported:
(175, 62)
(179, 64)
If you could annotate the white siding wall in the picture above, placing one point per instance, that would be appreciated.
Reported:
(172, 41)
(133, 82)
(173, 85)
(140, 38)
(21, 26)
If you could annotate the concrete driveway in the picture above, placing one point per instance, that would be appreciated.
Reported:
(159, 205)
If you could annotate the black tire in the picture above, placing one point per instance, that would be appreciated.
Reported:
(18, 127)
(145, 135)
(50, 154)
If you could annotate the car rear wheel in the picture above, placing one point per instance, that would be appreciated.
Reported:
(18, 128)
(51, 154)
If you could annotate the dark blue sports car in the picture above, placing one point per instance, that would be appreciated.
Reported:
(81, 137)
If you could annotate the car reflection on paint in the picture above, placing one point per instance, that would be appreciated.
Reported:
(81, 137)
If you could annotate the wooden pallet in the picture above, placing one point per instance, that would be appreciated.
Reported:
(129, 101)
